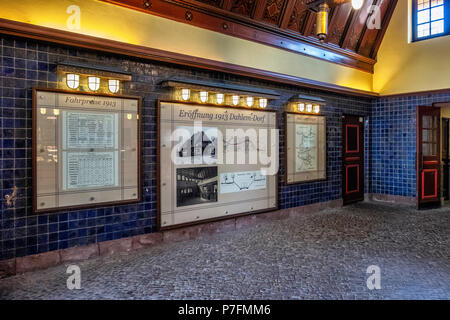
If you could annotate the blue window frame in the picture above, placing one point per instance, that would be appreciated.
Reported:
(431, 19)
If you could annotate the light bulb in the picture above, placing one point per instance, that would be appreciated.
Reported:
(72, 80)
(316, 108)
(301, 107)
(249, 101)
(203, 96)
(113, 86)
(43, 111)
(235, 100)
(357, 4)
(308, 107)
(94, 83)
(263, 102)
(219, 98)
(56, 112)
(185, 94)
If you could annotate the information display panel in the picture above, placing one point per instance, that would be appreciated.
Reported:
(215, 162)
(305, 147)
(86, 149)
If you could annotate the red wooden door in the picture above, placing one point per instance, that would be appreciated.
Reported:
(353, 159)
(428, 157)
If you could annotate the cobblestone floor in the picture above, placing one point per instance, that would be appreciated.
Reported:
(317, 256)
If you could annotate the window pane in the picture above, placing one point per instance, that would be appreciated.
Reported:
(437, 13)
(423, 4)
(427, 122)
(436, 2)
(423, 30)
(423, 16)
(437, 27)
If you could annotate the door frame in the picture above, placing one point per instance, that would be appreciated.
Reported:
(445, 185)
(361, 150)
(421, 200)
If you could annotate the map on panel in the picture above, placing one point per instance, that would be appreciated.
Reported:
(305, 147)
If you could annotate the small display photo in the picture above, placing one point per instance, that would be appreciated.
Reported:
(196, 185)
(197, 145)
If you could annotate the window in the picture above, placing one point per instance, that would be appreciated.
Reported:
(430, 19)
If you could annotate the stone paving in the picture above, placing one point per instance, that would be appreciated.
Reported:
(323, 255)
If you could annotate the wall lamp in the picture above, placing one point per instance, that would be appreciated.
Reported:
(73, 80)
(203, 96)
(93, 83)
(185, 94)
(305, 104)
(113, 85)
(249, 101)
(262, 102)
(235, 100)
(219, 98)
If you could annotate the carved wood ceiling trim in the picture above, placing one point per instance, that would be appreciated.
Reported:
(286, 24)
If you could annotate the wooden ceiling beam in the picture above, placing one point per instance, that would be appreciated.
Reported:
(289, 8)
(226, 5)
(338, 22)
(259, 10)
(369, 36)
(386, 19)
(358, 21)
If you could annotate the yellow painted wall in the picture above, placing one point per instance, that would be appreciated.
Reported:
(408, 67)
(116, 23)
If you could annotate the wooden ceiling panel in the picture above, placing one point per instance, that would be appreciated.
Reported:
(215, 3)
(287, 24)
(243, 7)
(273, 10)
(357, 26)
(298, 16)
(370, 35)
(338, 23)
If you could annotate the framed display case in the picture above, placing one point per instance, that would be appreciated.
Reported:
(196, 179)
(305, 141)
(86, 149)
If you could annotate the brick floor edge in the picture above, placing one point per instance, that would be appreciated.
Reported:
(52, 258)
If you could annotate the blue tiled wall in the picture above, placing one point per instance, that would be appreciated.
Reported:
(393, 143)
(26, 64)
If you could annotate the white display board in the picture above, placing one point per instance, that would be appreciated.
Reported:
(85, 149)
(206, 172)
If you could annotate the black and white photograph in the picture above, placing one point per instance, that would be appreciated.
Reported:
(197, 145)
(196, 186)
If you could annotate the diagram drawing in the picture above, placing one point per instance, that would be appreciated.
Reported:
(242, 181)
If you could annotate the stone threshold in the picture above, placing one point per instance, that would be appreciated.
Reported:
(53, 258)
